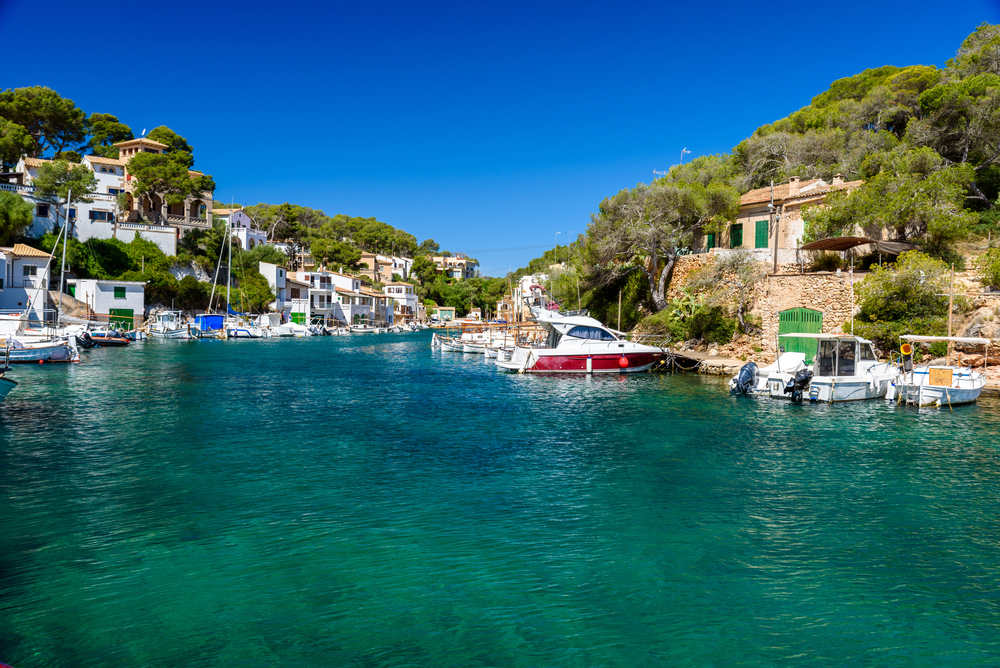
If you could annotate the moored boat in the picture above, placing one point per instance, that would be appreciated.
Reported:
(579, 344)
(169, 325)
(6, 385)
(845, 369)
(938, 384)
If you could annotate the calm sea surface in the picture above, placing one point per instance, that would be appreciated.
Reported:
(366, 501)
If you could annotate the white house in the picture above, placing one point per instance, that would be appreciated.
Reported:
(405, 301)
(245, 230)
(91, 220)
(25, 281)
(122, 301)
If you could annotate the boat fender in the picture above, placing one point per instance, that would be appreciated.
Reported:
(623, 362)
(41, 361)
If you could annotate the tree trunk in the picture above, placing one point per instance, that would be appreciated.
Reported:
(658, 285)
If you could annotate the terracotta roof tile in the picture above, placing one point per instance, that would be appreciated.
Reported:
(98, 160)
(27, 251)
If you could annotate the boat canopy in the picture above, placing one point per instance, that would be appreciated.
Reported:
(955, 339)
(804, 335)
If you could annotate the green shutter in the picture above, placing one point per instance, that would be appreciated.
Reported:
(760, 235)
(736, 236)
(119, 292)
(710, 241)
(800, 320)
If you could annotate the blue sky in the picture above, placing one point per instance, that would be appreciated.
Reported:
(485, 126)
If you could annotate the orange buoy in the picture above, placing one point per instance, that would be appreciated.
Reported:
(41, 361)
(623, 362)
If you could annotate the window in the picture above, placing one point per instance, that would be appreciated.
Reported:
(595, 333)
(867, 354)
(119, 292)
(103, 169)
(30, 270)
(102, 215)
(736, 236)
(295, 293)
(760, 235)
(72, 212)
(1, 284)
(42, 210)
(710, 241)
(113, 191)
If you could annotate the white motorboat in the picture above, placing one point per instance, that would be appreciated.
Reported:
(579, 344)
(475, 348)
(169, 325)
(362, 329)
(845, 369)
(939, 384)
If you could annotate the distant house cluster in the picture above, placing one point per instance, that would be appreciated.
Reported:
(105, 217)
(458, 266)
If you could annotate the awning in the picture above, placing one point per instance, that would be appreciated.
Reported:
(847, 243)
(956, 339)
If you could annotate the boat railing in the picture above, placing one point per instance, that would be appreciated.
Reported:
(654, 340)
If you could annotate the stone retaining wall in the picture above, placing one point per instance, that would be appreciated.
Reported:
(827, 293)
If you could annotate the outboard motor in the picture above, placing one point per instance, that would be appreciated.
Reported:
(84, 340)
(800, 382)
(746, 380)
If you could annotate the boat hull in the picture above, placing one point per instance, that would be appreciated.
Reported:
(6, 385)
(635, 362)
(57, 353)
(182, 333)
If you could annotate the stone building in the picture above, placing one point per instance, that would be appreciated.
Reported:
(770, 219)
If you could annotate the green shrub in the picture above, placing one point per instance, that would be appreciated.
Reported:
(712, 324)
(826, 262)
(988, 267)
(886, 334)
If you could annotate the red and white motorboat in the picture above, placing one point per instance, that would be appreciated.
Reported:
(578, 344)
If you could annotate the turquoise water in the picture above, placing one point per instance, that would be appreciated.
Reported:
(366, 501)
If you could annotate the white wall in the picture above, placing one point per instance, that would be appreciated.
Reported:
(100, 295)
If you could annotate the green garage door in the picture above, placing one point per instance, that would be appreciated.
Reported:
(121, 317)
(796, 321)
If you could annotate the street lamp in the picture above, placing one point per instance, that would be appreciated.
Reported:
(683, 151)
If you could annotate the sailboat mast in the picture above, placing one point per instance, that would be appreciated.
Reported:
(229, 265)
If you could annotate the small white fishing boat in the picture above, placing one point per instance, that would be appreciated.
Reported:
(474, 348)
(939, 384)
(845, 369)
(362, 329)
(169, 325)
(491, 352)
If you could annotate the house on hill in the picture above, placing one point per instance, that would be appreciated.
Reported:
(773, 232)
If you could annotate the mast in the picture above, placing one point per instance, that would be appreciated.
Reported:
(951, 303)
(62, 267)
(229, 265)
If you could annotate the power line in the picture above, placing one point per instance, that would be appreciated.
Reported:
(505, 250)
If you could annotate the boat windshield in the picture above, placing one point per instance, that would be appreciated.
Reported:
(867, 353)
(845, 358)
(596, 333)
